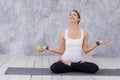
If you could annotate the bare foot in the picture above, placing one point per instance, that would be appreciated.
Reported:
(68, 62)
(83, 61)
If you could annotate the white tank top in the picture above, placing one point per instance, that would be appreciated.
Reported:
(73, 48)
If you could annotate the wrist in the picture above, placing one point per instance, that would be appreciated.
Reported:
(47, 47)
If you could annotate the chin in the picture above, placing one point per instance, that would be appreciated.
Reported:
(72, 21)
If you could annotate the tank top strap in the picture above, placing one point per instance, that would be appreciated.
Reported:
(82, 34)
(66, 33)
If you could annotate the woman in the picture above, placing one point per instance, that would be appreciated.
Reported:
(73, 41)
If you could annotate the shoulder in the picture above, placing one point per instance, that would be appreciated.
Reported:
(85, 32)
(62, 34)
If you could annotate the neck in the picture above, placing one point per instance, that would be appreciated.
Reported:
(74, 26)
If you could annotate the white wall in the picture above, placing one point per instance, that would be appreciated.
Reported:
(24, 24)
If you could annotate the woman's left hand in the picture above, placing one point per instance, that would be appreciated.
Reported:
(103, 41)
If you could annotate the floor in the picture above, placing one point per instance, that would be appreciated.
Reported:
(45, 62)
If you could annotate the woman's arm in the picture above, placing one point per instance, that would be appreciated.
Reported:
(86, 47)
(61, 48)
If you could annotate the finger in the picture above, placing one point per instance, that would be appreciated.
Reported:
(40, 50)
(105, 41)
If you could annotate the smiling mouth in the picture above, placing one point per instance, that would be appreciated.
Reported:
(72, 18)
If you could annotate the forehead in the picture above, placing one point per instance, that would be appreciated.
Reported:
(73, 12)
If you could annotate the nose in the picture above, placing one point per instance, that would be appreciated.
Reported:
(71, 17)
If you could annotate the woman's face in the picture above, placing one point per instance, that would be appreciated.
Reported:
(73, 17)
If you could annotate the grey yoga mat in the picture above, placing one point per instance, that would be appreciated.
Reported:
(47, 71)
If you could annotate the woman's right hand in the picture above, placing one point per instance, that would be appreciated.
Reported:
(43, 49)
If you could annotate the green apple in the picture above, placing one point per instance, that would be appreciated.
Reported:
(39, 48)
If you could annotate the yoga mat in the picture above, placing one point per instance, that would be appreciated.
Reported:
(47, 71)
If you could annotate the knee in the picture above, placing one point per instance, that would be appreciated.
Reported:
(54, 68)
(95, 68)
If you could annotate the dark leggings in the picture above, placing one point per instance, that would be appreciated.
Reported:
(60, 67)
